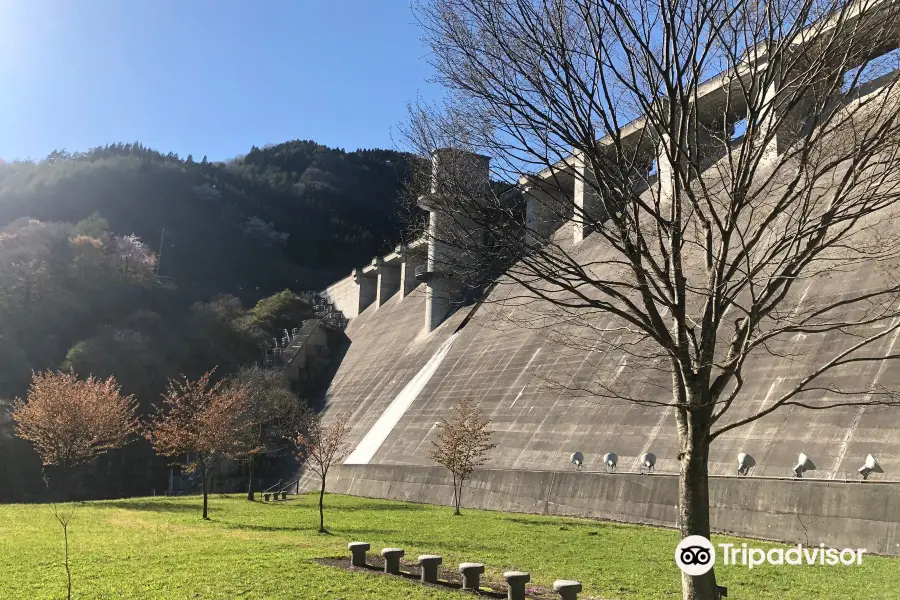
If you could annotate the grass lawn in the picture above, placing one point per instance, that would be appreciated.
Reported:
(155, 548)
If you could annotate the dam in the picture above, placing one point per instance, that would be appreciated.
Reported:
(417, 348)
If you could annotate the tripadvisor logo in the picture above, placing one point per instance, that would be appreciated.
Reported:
(696, 555)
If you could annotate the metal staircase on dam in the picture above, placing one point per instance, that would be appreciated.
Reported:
(325, 309)
(296, 343)
(285, 349)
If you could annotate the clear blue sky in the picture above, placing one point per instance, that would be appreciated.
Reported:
(206, 77)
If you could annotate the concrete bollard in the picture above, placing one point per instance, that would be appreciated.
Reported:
(471, 574)
(515, 584)
(392, 560)
(266, 496)
(430, 564)
(567, 589)
(358, 553)
(284, 495)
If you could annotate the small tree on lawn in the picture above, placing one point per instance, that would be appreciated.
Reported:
(64, 517)
(201, 422)
(72, 421)
(462, 445)
(324, 446)
(274, 416)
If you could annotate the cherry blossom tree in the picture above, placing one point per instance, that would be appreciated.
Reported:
(200, 423)
(130, 254)
(72, 421)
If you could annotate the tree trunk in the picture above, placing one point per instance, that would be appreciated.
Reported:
(56, 480)
(65, 484)
(251, 492)
(321, 508)
(204, 483)
(693, 501)
(59, 489)
(455, 496)
(65, 528)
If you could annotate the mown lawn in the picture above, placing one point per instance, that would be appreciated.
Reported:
(159, 548)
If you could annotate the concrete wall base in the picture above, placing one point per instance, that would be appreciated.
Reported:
(837, 513)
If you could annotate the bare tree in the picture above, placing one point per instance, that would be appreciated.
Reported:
(322, 447)
(200, 423)
(462, 445)
(705, 239)
(64, 517)
(72, 421)
(274, 416)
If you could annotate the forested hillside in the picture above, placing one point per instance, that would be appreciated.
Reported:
(86, 285)
(296, 214)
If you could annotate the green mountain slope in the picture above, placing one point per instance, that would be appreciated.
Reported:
(296, 214)
(125, 262)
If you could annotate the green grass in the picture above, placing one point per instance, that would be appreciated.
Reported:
(160, 548)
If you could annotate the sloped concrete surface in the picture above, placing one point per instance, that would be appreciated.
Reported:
(388, 347)
(532, 369)
(514, 373)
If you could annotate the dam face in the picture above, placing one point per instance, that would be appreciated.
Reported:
(531, 371)
(398, 380)
(514, 373)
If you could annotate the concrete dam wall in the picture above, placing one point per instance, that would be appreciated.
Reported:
(837, 514)
(411, 360)
(537, 426)
(397, 380)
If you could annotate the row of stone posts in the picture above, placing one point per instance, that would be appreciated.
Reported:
(471, 572)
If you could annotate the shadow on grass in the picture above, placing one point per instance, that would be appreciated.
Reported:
(376, 507)
(270, 528)
(380, 533)
(539, 522)
(276, 528)
(158, 506)
(570, 525)
(312, 529)
(464, 546)
(363, 503)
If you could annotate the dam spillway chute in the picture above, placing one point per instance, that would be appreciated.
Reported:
(375, 436)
